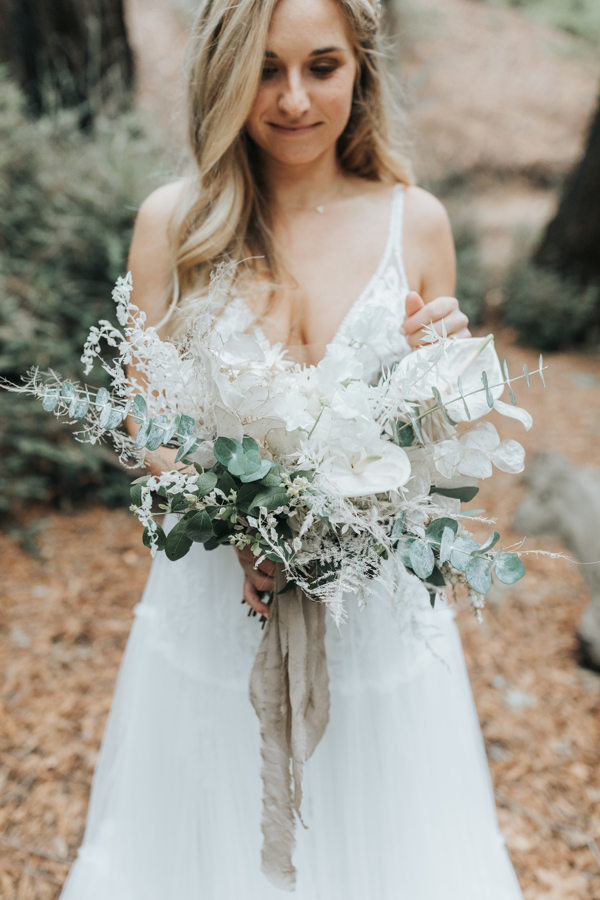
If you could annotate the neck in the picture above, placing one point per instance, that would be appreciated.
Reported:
(306, 186)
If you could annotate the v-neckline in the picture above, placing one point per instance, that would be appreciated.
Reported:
(389, 244)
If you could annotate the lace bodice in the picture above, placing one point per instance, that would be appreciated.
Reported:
(373, 322)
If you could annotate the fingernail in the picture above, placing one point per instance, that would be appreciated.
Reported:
(402, 331)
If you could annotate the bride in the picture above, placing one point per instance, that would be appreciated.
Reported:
(299, 182)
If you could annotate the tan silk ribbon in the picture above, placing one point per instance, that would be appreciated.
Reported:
(289, 689)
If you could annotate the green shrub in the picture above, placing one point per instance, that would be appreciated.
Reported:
(550, 312)
(580, 17)
(67, 204)
(471, 278)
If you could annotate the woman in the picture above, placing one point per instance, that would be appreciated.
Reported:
(297, 175)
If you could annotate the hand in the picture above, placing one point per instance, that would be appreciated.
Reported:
(256, 579)
(420, 314)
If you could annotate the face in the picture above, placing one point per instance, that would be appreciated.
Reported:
(305, 97)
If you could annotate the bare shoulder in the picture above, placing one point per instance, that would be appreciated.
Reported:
(429, 255)
(157, 210)
(150, 253)
(425, 214)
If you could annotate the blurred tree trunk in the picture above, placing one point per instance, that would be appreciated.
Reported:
(571, 244)
(67, 52)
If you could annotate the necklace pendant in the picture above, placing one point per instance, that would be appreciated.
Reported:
(320, 209)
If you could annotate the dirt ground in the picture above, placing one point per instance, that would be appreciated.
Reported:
(64, 621)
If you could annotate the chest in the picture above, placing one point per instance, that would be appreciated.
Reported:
(329, 260)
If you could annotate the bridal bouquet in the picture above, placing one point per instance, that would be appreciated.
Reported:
(344, 480)
(310, 466)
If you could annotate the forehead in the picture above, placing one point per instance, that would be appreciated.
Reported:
(302, 26)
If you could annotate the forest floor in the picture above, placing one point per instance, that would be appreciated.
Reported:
(65, 617)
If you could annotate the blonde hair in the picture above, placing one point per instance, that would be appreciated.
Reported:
(225, 213)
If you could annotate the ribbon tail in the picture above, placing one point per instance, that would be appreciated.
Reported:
(289, 689)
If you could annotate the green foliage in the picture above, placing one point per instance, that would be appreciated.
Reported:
(67, 205)
(471, 277)
(551, 312)
(580, 17)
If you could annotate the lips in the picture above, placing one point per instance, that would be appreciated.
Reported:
(294, 130)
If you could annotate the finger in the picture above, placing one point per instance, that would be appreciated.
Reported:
(260, 581)
(252, 598)
(414, 302)
(430, 313)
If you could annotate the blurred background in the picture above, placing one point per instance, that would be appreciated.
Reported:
(504, 126)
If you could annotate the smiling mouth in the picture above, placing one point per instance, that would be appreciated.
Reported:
(294, 129)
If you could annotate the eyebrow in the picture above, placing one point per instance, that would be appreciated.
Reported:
(320, 52)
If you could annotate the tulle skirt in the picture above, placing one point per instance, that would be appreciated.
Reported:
(398, 802)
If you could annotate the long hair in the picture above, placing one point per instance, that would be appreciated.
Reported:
(224, 215)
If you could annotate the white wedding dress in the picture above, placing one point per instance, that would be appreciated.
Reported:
(398, 802)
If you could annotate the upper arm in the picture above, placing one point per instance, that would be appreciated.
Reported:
(428, 246)
(150, 252)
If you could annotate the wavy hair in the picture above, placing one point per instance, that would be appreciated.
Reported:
(225, 214)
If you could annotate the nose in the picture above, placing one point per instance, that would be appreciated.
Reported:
(294, 100)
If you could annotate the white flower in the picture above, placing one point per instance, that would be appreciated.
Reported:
(383, 467)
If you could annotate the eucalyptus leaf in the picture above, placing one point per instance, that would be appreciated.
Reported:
(81, 408)
(513, 399)
(139, 410)
(399, 527)
(68, 391)
(422, 559)
(509, 568)
(114, 419)
(188, 447)
(403, 550)
(50, 400)
(142, 434)
(102, 397)
(156, 434)
(187, 426)
(526, 373)
(178, 543)
(417, 427)
(105, 415)
(135, 494)
(240, 459)
(462, 552)
(488, 394)
(491, 542)
(462, 395)
(259, 474)
(171, 429)
(541, 368)
(479, 575)
(446, 544)
(143, 479)
(440, 403)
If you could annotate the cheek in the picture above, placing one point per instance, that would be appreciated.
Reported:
(335, 100)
